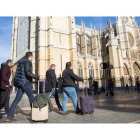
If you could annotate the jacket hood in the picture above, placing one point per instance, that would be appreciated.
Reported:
(24, 60)
(4, 65)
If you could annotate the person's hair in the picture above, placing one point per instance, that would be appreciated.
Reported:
(52, 65)
(28, 54)
(8, 61)
(68, 64)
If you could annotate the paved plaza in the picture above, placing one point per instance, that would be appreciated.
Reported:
(121, 108)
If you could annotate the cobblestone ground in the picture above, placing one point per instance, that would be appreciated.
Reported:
(121, 108)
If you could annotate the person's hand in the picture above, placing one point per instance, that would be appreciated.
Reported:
(76, 82)
(85, 81)
(7, 85)
(53, 89)
(41, 78)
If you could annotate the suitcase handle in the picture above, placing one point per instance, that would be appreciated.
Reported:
(84, 90)
(43, 86)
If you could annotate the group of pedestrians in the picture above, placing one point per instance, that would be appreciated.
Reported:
(23, 82)
(135, 88)
(109, 88)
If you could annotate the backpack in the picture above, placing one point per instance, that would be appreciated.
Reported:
(19, 79)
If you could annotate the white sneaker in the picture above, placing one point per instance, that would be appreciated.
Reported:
(14, 115)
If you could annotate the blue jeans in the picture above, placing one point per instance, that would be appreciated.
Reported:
(55, 94)
(69, 92)
(28, 90)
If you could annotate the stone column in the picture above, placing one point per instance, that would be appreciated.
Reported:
(114, 60)
(73, 51)
(42, 45)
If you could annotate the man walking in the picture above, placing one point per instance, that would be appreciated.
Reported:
(5, 74)
(23, 80)
(96, 88)
(51, 84)
(68, 85)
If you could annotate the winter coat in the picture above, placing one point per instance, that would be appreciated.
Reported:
(69, 78)
(24, 75)
(41, 101)
(5, 74)
(50, 80)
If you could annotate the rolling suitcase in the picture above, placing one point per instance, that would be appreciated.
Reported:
(86, 104)
(40, 114)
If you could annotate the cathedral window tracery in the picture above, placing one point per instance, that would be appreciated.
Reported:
(78, 43)
(89, 45)
(79, 68)
(131, 40)
(91, 70)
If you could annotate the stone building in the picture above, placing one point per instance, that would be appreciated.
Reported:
(59, 40)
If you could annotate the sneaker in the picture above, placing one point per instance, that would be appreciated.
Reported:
(14, 115)
(5, 115)
(66, 113)
(10, 119)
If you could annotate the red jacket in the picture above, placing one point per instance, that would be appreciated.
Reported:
(5, 74)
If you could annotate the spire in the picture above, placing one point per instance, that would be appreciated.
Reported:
(91, 29)
(81, 26)
(84, 27)
(91, 25)
(94, 30)
(81, 22)
(94, 27)
(99, 30)
(109, 24)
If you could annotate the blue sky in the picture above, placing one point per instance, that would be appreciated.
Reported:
(6, 31)
(5, 38)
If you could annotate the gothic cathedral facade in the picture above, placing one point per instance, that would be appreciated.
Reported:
(57, 40)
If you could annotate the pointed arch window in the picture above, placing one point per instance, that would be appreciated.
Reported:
(91, 70)
(79, 69)
(78, 43)
(131, 39)
(125, 69)
(89, 45)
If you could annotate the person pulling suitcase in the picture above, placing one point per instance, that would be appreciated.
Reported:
(23, 80)
(68, 87)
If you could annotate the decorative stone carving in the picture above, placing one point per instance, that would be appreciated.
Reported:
(131, 39)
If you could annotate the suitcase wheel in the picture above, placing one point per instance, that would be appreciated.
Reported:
(83, 114)
(32, 121)
(46, 121)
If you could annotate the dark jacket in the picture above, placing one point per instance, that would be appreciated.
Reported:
(41, 101)
(24, 73)
(69, 78)
(5, 74)
(111, 85)
(50, 80)
(95, 84)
